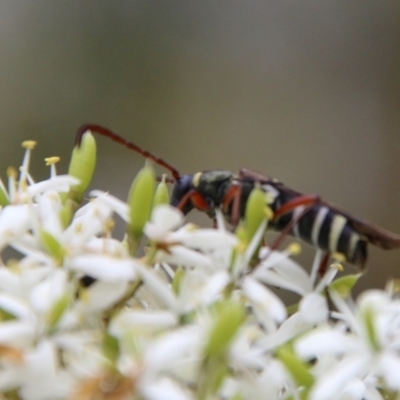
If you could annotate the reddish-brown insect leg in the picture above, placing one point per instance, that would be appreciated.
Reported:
(233, 196)
(307, 200)
(324, 264)
(197, 200)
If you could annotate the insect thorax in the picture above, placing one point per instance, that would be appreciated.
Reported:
(213, 185)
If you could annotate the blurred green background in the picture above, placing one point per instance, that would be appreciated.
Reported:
(305, 91)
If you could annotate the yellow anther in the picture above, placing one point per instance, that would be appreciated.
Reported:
(294, 248)
(339, 257)
(12, 172)
(52, 160)
(29, 144)
(338, 266)
(109, 225)
(190, 227)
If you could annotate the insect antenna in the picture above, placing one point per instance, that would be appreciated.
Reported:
(101, 130)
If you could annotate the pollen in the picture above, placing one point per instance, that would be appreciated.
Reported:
(29, 144)
(294, 249)
(52, 160)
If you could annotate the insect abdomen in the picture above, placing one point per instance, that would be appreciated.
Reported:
(327, 230)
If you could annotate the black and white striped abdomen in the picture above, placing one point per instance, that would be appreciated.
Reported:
(327, 230)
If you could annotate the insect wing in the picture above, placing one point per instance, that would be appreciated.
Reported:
(376, 236)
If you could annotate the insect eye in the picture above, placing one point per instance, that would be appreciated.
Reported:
(181, 187)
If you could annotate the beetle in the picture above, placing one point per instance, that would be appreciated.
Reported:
(306, 217)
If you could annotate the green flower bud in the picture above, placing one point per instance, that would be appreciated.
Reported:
(177, 281)
(345, 284)
(111, 348)
(66, 213)
(162, 195)
(241, 234)
(255, 212)
(57, 310)
(228, 321)
(82, 165)
(140, 201)
(52, 246)
(369, 318)
(214, 372)
(297, 368)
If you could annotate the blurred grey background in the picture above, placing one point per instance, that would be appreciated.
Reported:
(305, 91)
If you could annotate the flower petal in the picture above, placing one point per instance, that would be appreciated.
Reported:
(208, 240)
(59, 183)
(112, 202)
(266, 303)
(14, 221)
(141, 321)
(333, 382)
(325, 341)
(180, 255)
(104, 267)
(49, 290)
(314, 308)
(103, 295)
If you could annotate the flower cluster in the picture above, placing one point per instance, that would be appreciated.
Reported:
(84, 315)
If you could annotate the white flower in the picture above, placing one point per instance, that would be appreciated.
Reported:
(104, 267)
(60, 184)
(112, 202)
(186, 246)
(313, 308)
(369, 346)
(268, 308)
(89, 221)
(200, 288)
(165, 389)
(14, 222)
(79, 313)
(41, 379)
